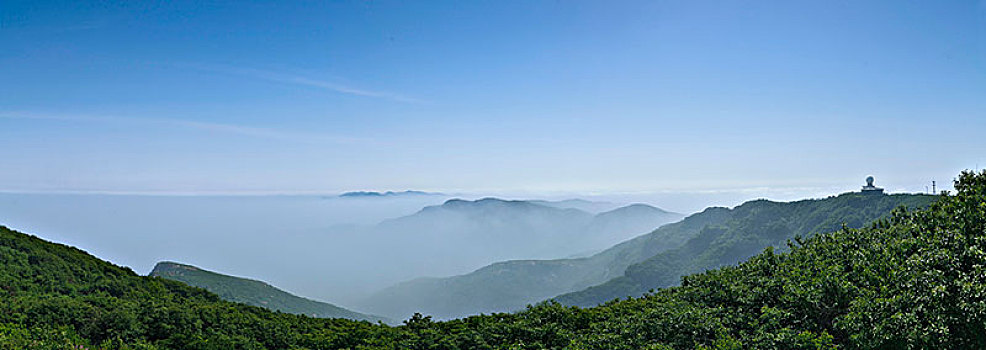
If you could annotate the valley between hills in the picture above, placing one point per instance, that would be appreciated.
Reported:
(816, 273)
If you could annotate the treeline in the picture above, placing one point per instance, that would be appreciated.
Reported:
(914, 280)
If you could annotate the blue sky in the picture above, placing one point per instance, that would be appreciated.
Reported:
(523, 97)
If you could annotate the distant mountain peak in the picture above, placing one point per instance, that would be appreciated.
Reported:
(593, 207)
(639, 206)
(636, 209)
(458, 203)
(171, 267)
(373, 194)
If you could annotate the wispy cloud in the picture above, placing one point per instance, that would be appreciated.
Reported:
(263, 133)
(303, 81)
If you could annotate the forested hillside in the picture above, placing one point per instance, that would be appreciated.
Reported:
(746, 230)
(714, 237)
(912, 281)
(252, 292)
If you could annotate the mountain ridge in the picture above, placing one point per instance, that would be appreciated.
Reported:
(510, 285)
(254, 292)
(910, 280)
(524, 286)
(748, 229)
(488, 230)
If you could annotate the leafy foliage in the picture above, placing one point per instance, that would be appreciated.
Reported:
(913, 280)
(55, 296)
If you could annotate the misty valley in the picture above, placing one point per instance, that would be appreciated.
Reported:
(568, 266)
(313, 245)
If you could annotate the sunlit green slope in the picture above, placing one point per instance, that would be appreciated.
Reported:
(743, 232)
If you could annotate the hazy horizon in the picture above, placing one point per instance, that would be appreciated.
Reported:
(286, 239)
(682, 200)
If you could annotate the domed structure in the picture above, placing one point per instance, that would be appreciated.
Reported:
(869, 188)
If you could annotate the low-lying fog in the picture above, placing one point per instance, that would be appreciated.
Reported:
(329, 248)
